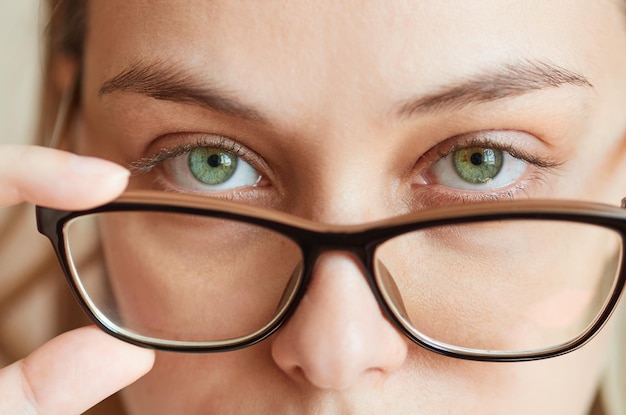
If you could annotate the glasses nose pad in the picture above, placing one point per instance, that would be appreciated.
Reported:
(290, 288)
(390, 289)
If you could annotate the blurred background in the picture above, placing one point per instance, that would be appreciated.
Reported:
(20, 24)
(28, 303)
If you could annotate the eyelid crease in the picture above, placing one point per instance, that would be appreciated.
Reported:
(146, 164)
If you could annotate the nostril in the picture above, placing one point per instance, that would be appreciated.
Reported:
(296, 373)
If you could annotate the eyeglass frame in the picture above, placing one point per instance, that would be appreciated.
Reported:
(360, 241)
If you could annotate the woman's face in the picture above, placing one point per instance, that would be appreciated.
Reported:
(347, 112)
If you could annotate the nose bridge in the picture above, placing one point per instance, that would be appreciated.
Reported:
(352, 246)
(345, 201)
(387, 296)
(355, 183)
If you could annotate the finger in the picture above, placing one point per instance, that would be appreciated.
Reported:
(71, 373)
(56, 178)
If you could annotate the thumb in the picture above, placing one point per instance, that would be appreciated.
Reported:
(71, 373)
(56, 178)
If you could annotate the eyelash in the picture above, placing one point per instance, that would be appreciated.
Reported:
(437, 196)
(473, 141)
(145, 165)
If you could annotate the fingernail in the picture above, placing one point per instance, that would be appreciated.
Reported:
(91, 166)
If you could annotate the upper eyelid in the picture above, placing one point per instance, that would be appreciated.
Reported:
(482, 139)
(146, 164)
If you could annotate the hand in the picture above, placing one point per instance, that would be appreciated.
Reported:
(56, 178)
(78, 369)
(71, 373)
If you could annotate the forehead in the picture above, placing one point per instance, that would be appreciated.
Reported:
(373, 49)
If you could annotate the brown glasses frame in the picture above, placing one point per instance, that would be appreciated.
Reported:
(360, 241)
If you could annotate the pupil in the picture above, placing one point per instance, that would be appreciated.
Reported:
(214, 160)
(476, 159)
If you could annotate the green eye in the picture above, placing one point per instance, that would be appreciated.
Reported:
(477, 164)
(211, 166)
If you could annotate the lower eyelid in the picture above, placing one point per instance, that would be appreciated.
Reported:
(431, 196)
(251, 196)
(428, 198)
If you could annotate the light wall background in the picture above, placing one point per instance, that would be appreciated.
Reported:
(21, 23)
(26, 314)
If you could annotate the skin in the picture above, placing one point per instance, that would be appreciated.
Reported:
(46, 381)
(327, 80)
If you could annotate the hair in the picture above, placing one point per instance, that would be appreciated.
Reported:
(63, 39)
(64, 36)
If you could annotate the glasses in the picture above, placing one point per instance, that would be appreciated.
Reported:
(505, 281)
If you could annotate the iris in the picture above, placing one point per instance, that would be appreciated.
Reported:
(477, 164)
(211, 166)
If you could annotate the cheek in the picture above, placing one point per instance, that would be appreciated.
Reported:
(567, 384)
(244, 381)
(564, 385)
(192, 278)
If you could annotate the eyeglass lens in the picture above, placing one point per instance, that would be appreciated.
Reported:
(494, 286)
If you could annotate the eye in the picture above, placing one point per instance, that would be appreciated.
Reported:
(478, 167)
(210, 169)
(484, 166)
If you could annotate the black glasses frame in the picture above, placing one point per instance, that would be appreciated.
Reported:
(361, 241)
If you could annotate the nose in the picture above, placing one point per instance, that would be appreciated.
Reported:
(338, 335)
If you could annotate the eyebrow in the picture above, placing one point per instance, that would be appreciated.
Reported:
(166, 82)
(508, 81)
